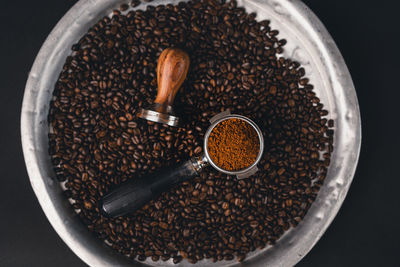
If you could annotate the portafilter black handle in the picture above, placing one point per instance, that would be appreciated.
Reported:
(132, 195)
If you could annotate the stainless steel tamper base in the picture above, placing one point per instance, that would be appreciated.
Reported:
(165, 116)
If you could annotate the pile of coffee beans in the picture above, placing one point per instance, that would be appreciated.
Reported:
(97, 142)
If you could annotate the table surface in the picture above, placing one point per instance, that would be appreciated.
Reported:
(365, 231)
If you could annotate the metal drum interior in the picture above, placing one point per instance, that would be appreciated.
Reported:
(309, 43)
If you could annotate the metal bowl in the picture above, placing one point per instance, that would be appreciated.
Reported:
(308, 43)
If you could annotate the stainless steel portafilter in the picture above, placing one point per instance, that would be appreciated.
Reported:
(134, 194)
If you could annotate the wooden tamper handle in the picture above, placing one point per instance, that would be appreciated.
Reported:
(172, 68)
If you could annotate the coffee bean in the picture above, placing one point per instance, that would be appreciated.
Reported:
(123, 7)
(253, 224)
(272, 90)
(198, 149)
(163, 225)
(97, 142)
(177, 259)
(87, 205)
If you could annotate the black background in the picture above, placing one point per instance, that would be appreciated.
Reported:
(365, 231)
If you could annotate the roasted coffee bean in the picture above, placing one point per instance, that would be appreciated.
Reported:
(123, 7)
(97, 142)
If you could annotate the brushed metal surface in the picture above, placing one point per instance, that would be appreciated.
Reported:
(308, 43)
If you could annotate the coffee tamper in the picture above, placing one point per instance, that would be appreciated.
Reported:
(172, 68)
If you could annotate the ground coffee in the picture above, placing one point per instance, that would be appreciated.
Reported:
(233, 145)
